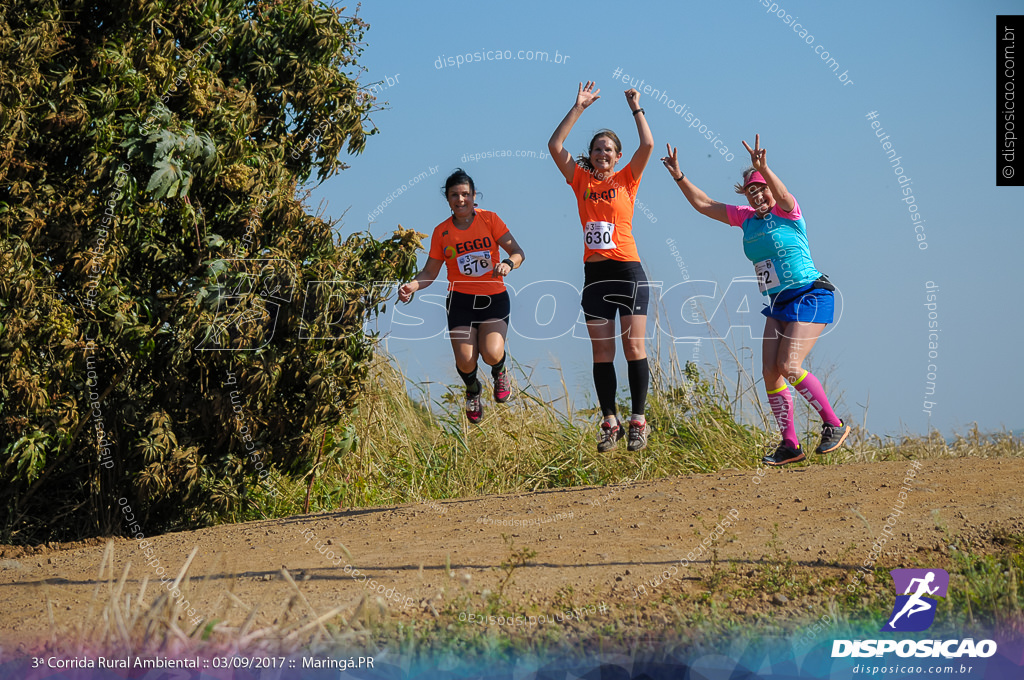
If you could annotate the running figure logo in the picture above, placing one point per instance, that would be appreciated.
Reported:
(914, 611)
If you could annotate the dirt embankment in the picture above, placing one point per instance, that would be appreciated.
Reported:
(594, 546)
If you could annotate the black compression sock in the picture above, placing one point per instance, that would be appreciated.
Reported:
(604, 383)
(639, 378)
(497, 368)
(470, 380)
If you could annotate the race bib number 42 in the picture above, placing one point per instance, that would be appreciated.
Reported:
(475, 264)
(766, 276)
(599, 235)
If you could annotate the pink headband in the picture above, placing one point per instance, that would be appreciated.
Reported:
(755, 178)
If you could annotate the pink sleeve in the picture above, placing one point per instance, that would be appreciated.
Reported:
(738, 214)
(793, 214)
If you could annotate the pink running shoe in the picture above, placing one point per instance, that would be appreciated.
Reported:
(502, 387)
(474, 407)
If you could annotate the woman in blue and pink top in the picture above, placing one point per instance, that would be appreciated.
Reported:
(800, 297)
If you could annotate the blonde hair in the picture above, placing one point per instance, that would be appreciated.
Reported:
(742, 188)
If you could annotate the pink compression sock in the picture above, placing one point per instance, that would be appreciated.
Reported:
(782, 408)
(811, 390)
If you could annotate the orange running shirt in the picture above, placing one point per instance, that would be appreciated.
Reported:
(606, 213)
(470, 254)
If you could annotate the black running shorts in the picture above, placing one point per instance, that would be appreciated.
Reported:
(610, 286)
(466, 309)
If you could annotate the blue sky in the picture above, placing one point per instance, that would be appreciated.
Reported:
(927, 70)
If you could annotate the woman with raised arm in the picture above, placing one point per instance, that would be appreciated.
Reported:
(478, 304)
(614, 279)
(800, 297)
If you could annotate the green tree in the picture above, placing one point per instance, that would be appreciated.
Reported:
(157, 260)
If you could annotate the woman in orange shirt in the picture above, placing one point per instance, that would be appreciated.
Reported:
(478, 304)
(614, 279)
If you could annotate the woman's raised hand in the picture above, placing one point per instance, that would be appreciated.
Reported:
(671, 161)
(758, 156)
(633, 98)
(587, 95)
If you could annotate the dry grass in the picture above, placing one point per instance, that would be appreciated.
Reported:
(120, 622)
(154, 622)
(401, 449)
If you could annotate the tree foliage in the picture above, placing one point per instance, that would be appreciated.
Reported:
(162, 339)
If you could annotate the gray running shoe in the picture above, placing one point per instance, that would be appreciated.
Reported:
(610, 436)
(638, 435)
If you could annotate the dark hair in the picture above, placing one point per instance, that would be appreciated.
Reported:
(459, 176)
(583, 159)
(742, 188)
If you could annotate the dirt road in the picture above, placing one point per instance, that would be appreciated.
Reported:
(597, 549)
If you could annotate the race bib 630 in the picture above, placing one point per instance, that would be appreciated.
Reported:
(599, 235)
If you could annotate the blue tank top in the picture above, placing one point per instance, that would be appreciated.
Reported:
(778, 248)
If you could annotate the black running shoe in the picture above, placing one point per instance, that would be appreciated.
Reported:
(832, 437)
(784, 455)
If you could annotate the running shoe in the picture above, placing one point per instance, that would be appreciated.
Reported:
(784, 455)
(832, 437)
(502, 387)
(474, 407)
(610, 436)
(638, 435)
